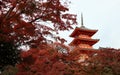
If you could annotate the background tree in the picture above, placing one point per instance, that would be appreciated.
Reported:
(106, 61)
(9, 54)
(9, 70)
(51, 60)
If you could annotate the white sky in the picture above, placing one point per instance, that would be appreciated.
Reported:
(103, 15)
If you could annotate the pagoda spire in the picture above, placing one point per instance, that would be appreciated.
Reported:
(82, 19)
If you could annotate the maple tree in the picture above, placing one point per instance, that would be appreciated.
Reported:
(24, 20)
(50, 60)
(58, 59)
(105, 61)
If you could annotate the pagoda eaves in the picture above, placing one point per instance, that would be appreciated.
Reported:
(77, 41)
(82, 30)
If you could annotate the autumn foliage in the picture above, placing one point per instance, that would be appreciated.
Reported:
(51, 60)
(24, 21)
(29, 23)
(104, 61)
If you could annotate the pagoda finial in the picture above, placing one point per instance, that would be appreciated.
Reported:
(82, 19)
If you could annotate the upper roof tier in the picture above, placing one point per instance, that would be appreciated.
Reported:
(83, 30)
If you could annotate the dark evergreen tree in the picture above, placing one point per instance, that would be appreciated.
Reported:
(9, 54)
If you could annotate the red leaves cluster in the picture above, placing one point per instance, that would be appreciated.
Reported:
(58, 59)
(105, 61)
(25, 28)
(24, 20)
(47, 61)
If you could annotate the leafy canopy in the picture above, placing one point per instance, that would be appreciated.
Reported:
(24, 20)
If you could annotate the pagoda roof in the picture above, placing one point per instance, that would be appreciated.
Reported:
(85, 40)
(83, 29)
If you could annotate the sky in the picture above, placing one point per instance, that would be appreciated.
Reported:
(103, 15)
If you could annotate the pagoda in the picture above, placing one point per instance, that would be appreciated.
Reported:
(83, 37)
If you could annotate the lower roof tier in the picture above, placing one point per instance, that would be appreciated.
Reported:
(78, 41)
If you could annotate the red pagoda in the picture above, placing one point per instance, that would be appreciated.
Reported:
(83, 37)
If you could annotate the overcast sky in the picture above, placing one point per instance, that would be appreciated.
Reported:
(103, 15)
